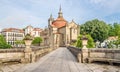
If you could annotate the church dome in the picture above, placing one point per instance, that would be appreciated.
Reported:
(59, 22)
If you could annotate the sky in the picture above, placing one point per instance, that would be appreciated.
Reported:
(21, 13)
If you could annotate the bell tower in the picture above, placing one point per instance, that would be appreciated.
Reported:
(50, 20)
(60, 14)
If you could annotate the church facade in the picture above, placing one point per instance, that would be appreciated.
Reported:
(61, 32)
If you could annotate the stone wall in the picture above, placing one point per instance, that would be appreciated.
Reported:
(39, 52)
(76, 52)
(96, 54)
(19, 55)
(102, 54)
(7, 55)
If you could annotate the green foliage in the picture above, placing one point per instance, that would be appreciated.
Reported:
(73, 44)
(110, 44)
(117, 42)
(111, 30)
(3, 43)
(114, 30)
(97, 29)
(114, 44)
(117, 29)
(90, 43)
(19, 42)
(79, 42)
(28, 37)
(37, 41)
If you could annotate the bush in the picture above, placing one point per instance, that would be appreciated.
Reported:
(37, 41)
(90, 43)
(79, 42)
(3, 43)
(28, 37)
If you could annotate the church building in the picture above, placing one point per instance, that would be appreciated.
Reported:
(61, 32)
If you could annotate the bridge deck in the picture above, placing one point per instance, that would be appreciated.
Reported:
(61, 60)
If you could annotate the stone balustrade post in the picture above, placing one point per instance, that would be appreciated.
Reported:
(28, 54)
(84, 50)
(79, 57)
(33, 57)
(84, 55)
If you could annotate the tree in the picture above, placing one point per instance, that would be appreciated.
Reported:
(90, 43)
(3, 43)
(117, 29)
(19, 43)
(117, 42)
(79, 42)
(37, 41)
(114, 29)
(111, 30)
(97, 29)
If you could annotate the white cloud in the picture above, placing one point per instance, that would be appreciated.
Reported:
(34, 13)
(111, 4)
(20, 13)
(105, 7)
(19, 18)
(97, 1)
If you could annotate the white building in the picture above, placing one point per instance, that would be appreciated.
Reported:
(35, 32)
(29, 30)
(12, 35)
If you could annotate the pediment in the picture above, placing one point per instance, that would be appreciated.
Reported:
(72, 25)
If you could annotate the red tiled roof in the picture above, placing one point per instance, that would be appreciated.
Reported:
(13, 30)
(59, 22)
(38, 29)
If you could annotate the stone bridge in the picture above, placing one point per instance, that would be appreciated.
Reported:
(58, 60)
(23, 55)
(96, 54)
